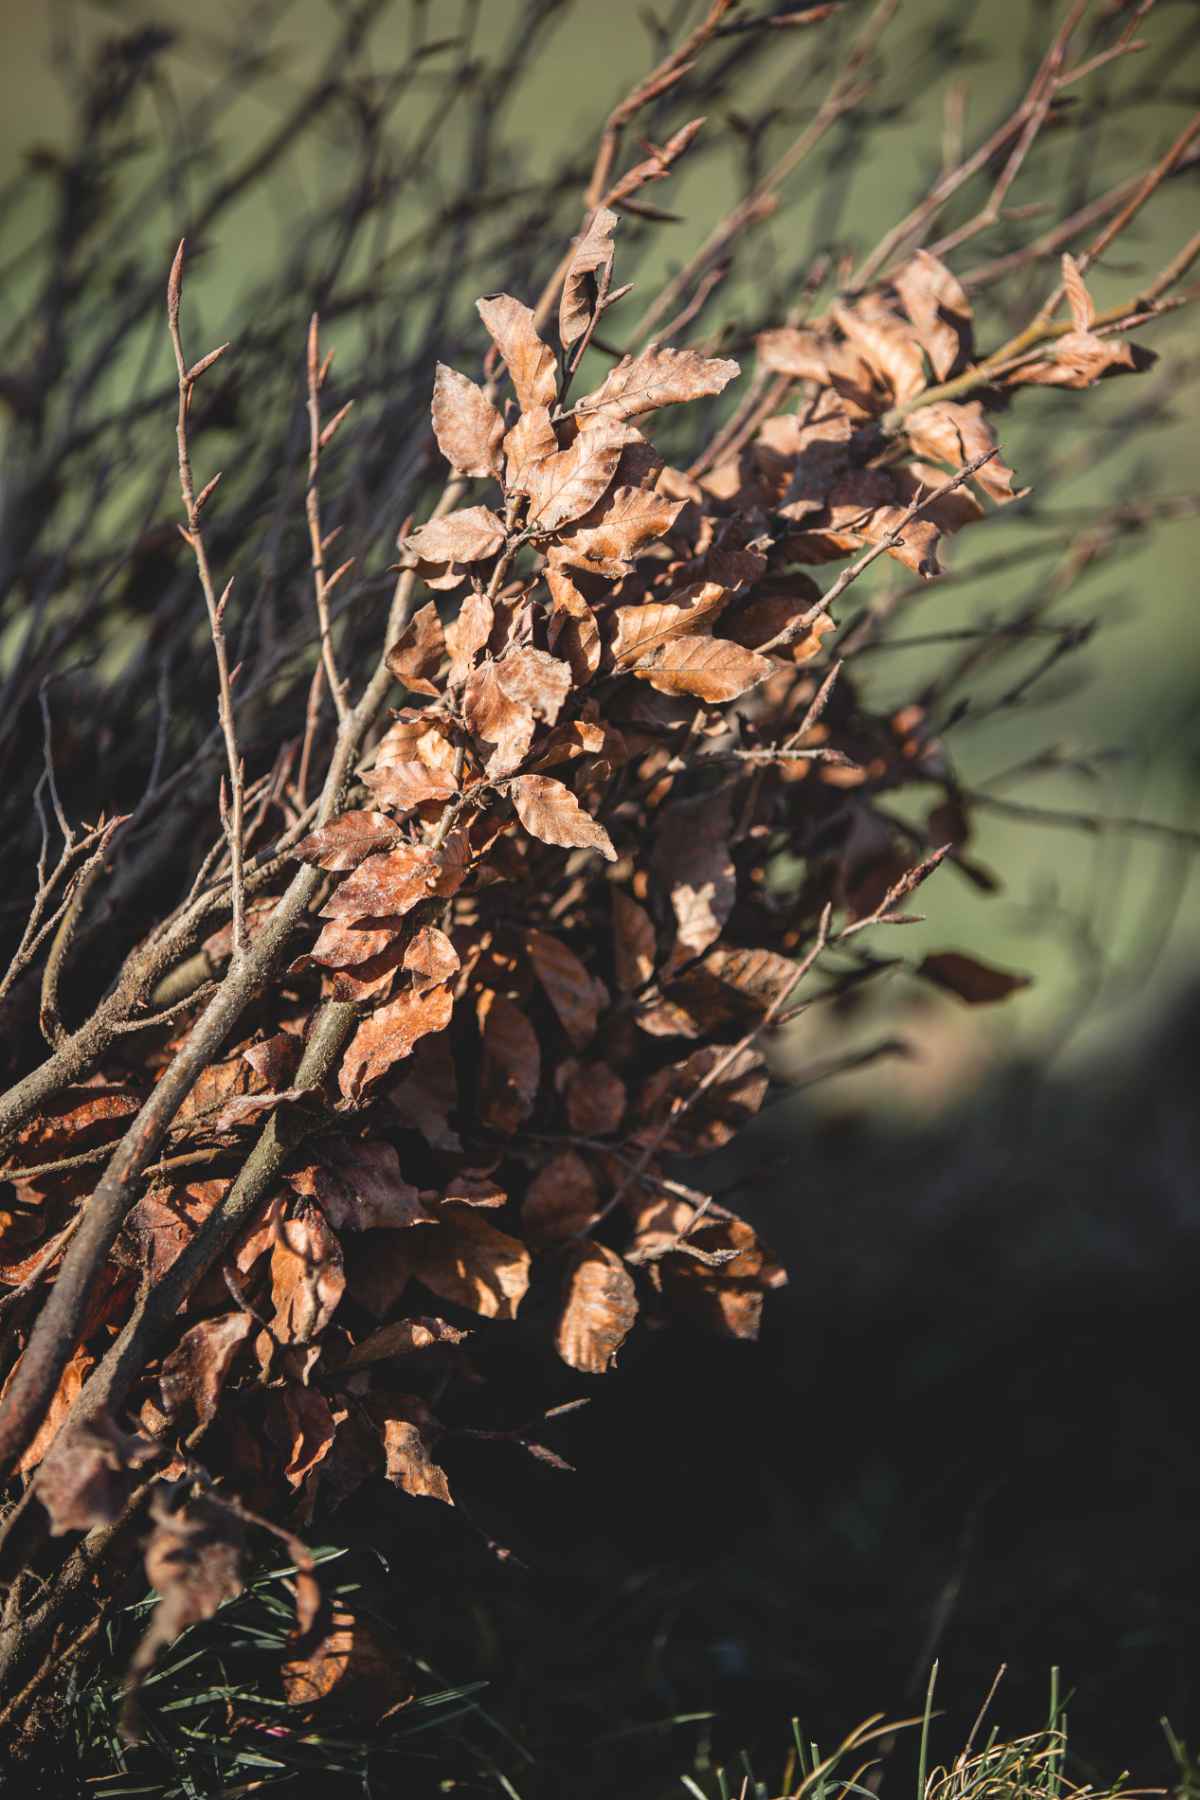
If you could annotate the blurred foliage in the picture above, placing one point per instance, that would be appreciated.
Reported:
(1105, 923)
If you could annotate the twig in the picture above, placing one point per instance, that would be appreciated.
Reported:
(1096, 824)
(316, 372)
(843, 96)
(193, 536)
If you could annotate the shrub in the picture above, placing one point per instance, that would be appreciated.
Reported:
(400, 993)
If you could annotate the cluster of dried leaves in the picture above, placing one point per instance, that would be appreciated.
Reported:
(541, 927)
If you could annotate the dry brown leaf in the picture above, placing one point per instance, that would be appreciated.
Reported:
(940, 310)
(550, 811)
(634, 942)
(571, 630)
(307, 1277)
(344, 842)
(378, 1271)
(164, 1221)
(300, 1422)
(344, 945)
(657, 377)
(194, 1563)
(886, 343)
(386, 885)
(788, 350)
(692, 861)
(88, 1474)
(403, 1338)
(713, 669)
(590, 266)
(954, 434)
(502, 728)
(431, 958)
(564, 486)
(389, 1034)
(409, 1432)
(359, 1187)
(596, 1100)
(560, 1202)
(599, 1309)
(352, 1670)
(575, 994)
(978, 983)
(416, 655)
(512, 1063)
(731, 1100)
(470, 535)
(467, 1261)
(194, 1373)
(77, 1118)
(1083, 312)
(1079, 359)
(608, 539)
(531, 363)
(730, 1308)
(759, 976)
(643, 629)
(531, 440)
(275, 1059)
(951, 512)
(534, 680)
(466, 424)
(475, 1187)
(404, 786)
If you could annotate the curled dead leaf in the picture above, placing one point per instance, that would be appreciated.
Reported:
(307, 1278)
(591, 263)
(599, 1309)
(194, 1373)
(89, 1473)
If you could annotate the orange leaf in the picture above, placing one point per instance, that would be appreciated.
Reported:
(573, 992)
(194, 1373)
(531, 363)
(599, 1309)
(467, 536)
(560, 1201)
(563, 486)
(713, 669)
(467, 1261)
(307, 1279)
(550, 811)
(658, 377)
(466, 424)
(417, 653)
(388, 1035)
